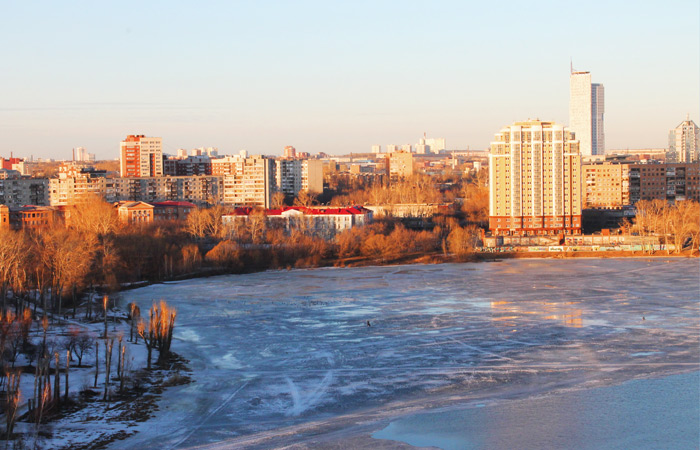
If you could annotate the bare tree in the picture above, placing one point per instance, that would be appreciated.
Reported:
(97, 361)
(57, 379)
(109, 345)
(92, 215)
(68, 357)
(305, 198)
(277, 200)
(11, 253)
(13, 396)
(83, 346)
(462, 241)
(158, 333)
(68, 256)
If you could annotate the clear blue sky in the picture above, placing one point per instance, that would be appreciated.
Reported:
(334, 76)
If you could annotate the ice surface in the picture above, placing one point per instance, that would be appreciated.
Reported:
(639, 414)
(288, 356)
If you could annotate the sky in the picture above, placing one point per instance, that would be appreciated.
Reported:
(335, 76)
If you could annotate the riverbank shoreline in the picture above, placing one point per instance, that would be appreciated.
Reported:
(419, 258)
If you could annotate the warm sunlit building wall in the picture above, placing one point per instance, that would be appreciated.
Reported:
(535, 180)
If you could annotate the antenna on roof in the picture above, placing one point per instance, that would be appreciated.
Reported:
(571, 62)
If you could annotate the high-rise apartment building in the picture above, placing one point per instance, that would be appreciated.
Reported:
(421, 147)
(618, 184)
(606, 185)
(535, 180)
(400, 165)
(16, 191)
(312, 176)
(141, 156)
(247, 181)
(436, 145)
(670, 182)
(189, 165)
(81, 154)
(684, 142)
(76, 182)
(288, 175)
(586, 111)
(391, 148)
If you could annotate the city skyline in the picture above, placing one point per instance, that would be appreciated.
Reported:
(334, 78)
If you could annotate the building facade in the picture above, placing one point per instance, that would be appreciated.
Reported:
(436, 145)
(201, 190)
(534, 180)
(312, 176)
(248, 181)
(76, 182)
(135, 213)
(586, 113)
(606, 185)
(684, 143)
(26, 217)
(142, 212)
(670, 182)
(141, 156)
(16, 191)
(400, 165)
(322, 222)
(614, 185)
(187, 166)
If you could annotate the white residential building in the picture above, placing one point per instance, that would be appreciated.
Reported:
(324, 222)
(436, 145)
(683, 142)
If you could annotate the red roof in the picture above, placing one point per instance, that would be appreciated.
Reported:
(314, 211)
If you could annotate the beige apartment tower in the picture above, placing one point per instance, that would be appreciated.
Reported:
(534, 180)
(400, 165)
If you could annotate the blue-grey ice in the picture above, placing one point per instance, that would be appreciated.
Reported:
(328, 357)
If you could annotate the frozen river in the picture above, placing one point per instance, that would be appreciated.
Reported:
(327, 357)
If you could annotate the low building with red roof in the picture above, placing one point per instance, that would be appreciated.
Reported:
(318, 220)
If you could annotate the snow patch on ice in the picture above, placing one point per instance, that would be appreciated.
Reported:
(188, 335)
(302, 401)
(228, 361)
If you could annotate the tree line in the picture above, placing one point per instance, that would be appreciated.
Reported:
(673, 223)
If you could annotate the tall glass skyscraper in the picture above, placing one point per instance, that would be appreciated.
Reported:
(586, 110)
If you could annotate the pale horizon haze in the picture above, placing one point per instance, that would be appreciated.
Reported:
(335, 77)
